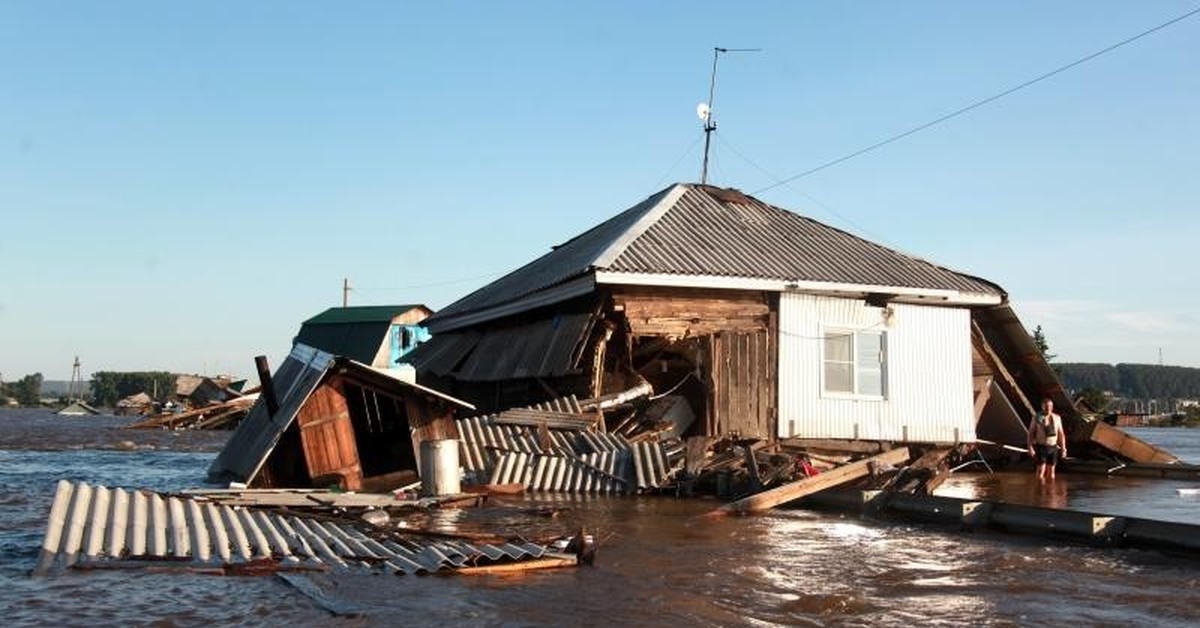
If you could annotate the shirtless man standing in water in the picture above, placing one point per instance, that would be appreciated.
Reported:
(1046, 440)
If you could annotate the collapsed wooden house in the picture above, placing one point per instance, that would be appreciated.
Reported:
(771, 325)
(326, 420)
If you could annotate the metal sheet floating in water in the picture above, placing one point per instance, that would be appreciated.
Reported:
(92, 524)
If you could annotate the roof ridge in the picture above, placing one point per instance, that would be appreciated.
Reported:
(614, 250)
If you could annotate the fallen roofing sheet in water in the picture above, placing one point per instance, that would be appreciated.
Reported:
(90, 525)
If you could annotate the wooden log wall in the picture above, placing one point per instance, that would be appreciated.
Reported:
(681, 313)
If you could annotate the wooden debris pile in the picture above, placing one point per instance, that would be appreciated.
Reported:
(217, 416)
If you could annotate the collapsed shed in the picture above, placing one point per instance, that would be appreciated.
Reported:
(771, 325)
(333, 420)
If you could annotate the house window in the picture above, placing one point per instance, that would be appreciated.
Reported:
(854, 362)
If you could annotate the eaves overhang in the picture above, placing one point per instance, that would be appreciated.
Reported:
(902, 293)
(556, 294)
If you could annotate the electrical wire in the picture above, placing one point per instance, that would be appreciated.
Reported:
(675, 165)
(770, 175)
(978, 103)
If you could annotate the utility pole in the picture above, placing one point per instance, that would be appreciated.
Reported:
(346, 292)
(705, 110)
(76, 376)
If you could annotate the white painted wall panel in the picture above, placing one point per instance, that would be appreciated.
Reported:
(928, 378)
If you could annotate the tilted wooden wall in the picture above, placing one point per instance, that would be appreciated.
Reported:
(327, 436)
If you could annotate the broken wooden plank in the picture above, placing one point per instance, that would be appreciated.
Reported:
(1125, 445)
(550, 561)
(790, 492)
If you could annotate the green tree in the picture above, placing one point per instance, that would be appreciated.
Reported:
(27, 390)
(1094, 398)
(109, 387)
(1039, 340)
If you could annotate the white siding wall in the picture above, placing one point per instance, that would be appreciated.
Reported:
(927, 380)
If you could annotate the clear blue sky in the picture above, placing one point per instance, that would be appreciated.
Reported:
(181, 184)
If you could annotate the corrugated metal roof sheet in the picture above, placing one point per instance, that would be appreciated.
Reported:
(703, 235)
(570, 259)
(442, 354)
(357, 341)
(546, 348)
(90, 524)
(571, 460)
(695, 232)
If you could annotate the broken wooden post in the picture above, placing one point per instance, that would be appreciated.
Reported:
(795, 490)
(268, 387)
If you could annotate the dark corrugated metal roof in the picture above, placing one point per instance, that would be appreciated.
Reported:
(361, 314)
(703, 235)
(545, 348)
(687, 229)
(443, 353)
(568, 260)
(357, 341)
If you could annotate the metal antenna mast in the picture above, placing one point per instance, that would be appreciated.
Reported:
(705, 110)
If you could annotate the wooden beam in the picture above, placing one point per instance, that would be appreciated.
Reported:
(769, 499)
(983, 392)
(834, 445)
(1005, 379)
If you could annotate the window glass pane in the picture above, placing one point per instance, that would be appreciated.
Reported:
(838, 346)
(870, 349)
(839, 377)
(870, 382)
(870, 362)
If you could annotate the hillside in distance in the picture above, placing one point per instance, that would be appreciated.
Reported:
(1137, 381)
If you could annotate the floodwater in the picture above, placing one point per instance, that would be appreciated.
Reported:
(660, 562)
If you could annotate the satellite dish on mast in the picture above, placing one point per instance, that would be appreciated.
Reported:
(703, 111)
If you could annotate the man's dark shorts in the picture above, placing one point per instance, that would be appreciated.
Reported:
(1047, 454)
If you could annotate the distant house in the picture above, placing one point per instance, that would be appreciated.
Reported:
(772, 326)
(135, 404)
(376, 335)
(197, 391)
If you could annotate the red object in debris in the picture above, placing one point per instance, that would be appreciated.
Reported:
(807, 468)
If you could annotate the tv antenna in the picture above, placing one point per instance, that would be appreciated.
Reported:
(704, 110)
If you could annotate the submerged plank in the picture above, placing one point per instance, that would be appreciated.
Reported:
(795, 490)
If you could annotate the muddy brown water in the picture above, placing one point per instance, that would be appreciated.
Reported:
(660, 562)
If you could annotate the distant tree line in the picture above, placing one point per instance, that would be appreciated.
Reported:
(27, 390)
(109, 387)
(1138, 381)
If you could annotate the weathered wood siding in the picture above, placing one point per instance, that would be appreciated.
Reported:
(742, 391)
(327, 436)
(736, 329)
(927, 378)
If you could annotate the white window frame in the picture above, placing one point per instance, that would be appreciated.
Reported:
(854, 335)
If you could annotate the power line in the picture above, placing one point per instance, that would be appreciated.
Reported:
(979, 103)
(772, 176)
